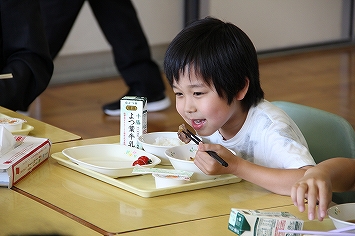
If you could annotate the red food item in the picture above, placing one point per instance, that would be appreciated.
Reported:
(142, 160)
(145, 159)
(138, 162)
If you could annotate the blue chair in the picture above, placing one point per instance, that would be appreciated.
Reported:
(327, 135)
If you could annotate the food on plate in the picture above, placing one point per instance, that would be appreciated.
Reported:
(182, 134)
(11, 124)
(142, 160)
(7, 121)
(164, 141)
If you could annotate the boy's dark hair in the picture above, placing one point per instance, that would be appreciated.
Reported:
(219, 52)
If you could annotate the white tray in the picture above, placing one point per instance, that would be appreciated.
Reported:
(144, 185)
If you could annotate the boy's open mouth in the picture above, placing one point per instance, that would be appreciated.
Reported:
(197, 123)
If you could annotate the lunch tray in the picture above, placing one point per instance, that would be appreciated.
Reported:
(144, 185)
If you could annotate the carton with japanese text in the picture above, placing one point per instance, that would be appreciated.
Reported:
(133, 120)
(253, 222)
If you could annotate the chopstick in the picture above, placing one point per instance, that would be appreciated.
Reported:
(213, 154)
(193, 137)
(6, 76)
(351, 227)
(316, 232)
(335, 232)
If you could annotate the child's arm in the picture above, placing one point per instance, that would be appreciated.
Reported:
(279, 181)
(318, 183)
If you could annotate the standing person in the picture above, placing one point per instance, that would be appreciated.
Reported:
(318, 183)
(24, 54)
(212, 67)
(120, 24)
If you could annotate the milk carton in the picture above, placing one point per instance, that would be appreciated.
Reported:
(254, 223)
(133, 120)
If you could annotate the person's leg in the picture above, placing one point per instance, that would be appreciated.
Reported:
(58, 18)
(120, 25)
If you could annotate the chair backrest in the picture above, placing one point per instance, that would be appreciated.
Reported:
(328, 135)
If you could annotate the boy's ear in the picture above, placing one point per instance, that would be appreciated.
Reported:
(241, 94)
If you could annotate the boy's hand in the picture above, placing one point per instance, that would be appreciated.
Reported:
(316, 188)
(209, 165)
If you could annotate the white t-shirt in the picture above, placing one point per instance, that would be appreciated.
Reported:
(269, 137)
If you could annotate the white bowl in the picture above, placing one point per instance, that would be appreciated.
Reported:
(180, 158)
(148, 142)
(11, 124)
(342, 214)
(113, 160)
(163, 181)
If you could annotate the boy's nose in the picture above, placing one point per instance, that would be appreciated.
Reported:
(190, 107)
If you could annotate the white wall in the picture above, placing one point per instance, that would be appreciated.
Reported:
(274, 24)
(271, 24)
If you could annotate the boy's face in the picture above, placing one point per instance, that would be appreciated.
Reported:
(201, 107)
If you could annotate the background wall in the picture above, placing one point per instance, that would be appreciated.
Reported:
(271, 24)
(277, 24)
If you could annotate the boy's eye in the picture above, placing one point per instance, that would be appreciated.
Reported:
(178, 94)
(198, 93)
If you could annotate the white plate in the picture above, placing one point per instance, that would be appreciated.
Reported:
(113, 160)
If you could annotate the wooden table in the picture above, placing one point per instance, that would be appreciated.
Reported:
(108, 208)
(21, 215)
(41, 129)
(219, 225)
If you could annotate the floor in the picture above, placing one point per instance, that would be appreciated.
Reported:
(324, 79)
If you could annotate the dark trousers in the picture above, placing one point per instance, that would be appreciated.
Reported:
(119, 23)
(24, 53)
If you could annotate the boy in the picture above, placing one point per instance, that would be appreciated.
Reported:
(213, 69)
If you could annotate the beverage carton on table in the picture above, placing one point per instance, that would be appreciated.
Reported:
(133, 120)
(25, 155)
(253, 222)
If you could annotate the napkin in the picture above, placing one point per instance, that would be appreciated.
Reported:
(179, 174)
(7, 141)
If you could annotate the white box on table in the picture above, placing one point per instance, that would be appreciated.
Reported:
(253, 222)
(133, 120)
(28, 154)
